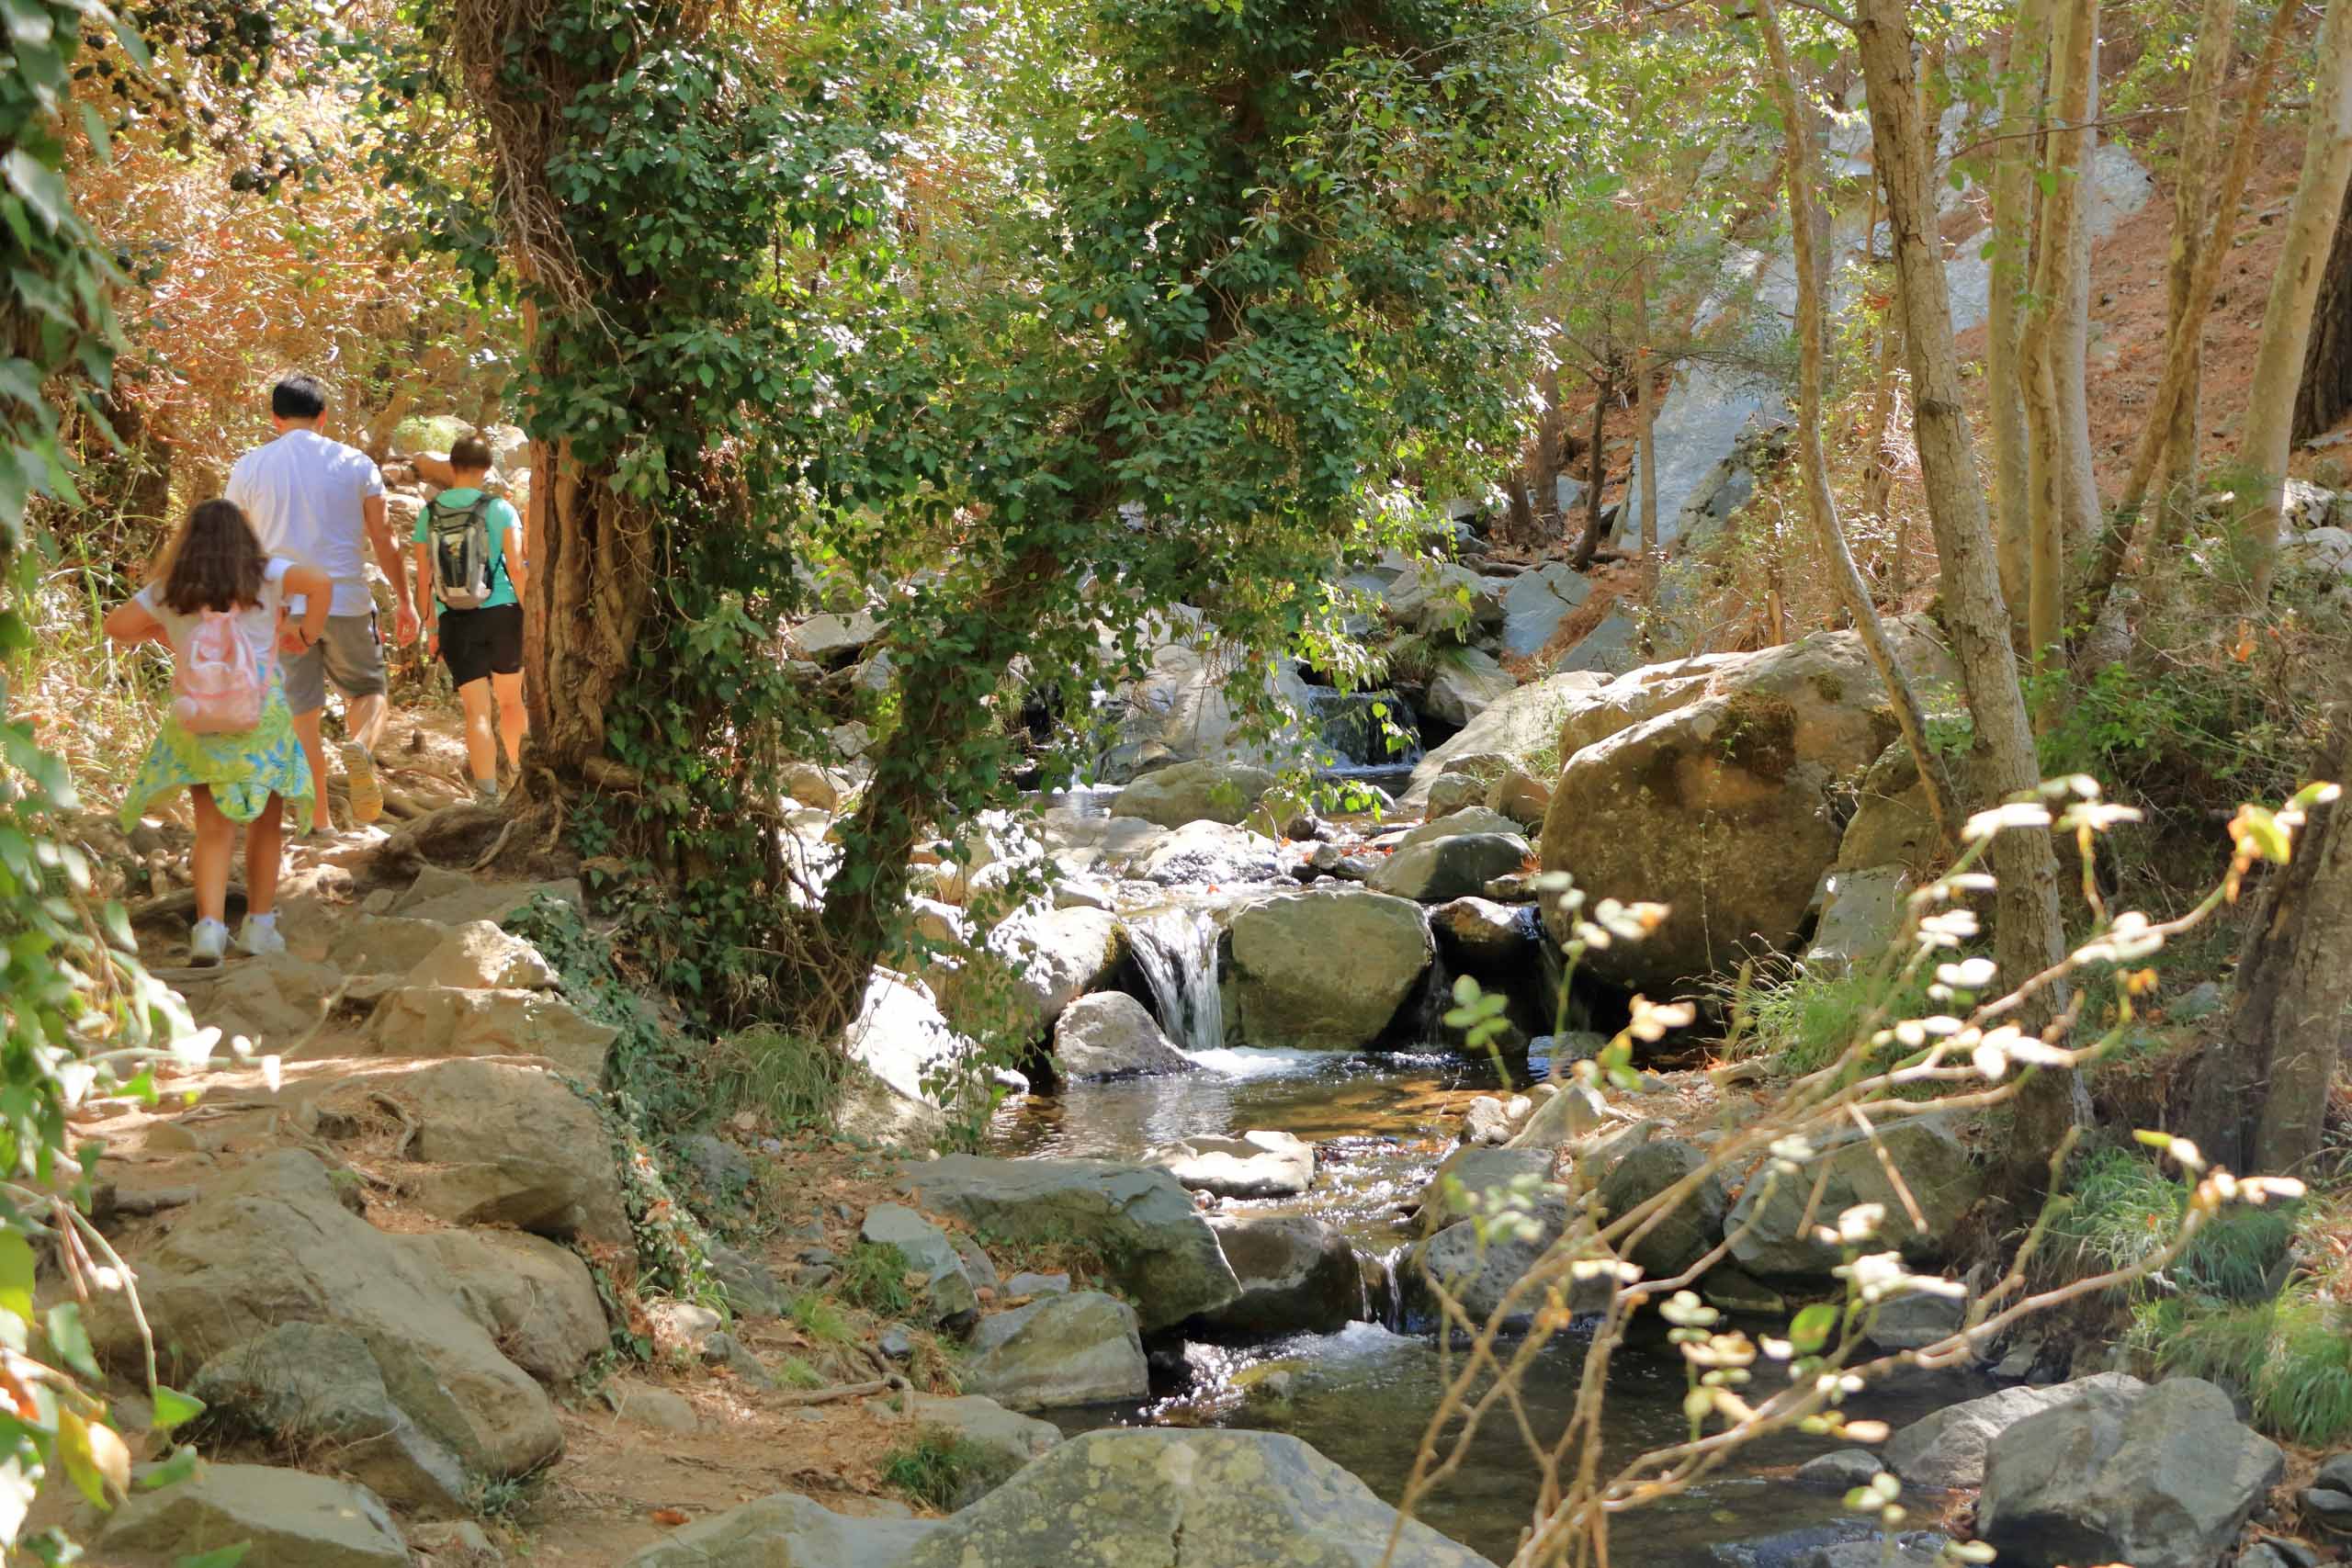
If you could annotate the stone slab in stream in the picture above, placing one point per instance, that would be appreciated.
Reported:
(1256, 1164)
(1157, 1249)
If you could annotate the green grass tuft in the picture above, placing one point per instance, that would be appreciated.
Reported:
(1806, 1022)
(796, 1372)
(2289, 1358)
(873, 1277)
(933, 1467)
(822, 1320)
(2121, 1209)
(794, 1083)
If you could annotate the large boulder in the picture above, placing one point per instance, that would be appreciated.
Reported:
(275, 1001)
(1296, 1273)
(908, 1050)
(480, 956)
(305, 1386)
(1537, 603)
(1112, 1036)
(1469, 819)
(1474, 1180)
(273, 1244)
(1720, 807)
(1200, 791)
(1484, 937)
(1519, 729)
(1326, 969)
(1211, 855)
(1157, 1249)
(445, 1020)
(1936, 1173)
(1455, 866)
(1946, 1451)
(2158, 1478)
(285, 1519)
(786, 1530)
(1253, 1164)
(1082, 1348)
(1124, 1498)
(1057, 956)
(495, 1141)
(1447, 600)
(1681, 1237)
(1467, 682)
(536, 1299)
(1477, 1263)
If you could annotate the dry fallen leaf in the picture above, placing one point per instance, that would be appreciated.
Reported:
(672, 1517)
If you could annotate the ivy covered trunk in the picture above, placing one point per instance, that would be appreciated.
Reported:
(590, 586)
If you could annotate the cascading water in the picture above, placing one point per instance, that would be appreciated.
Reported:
(1176, 950)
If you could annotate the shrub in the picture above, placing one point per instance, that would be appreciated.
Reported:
(934, 1466)
(2290, 1359)
(2121, 1209)
(873, 1277)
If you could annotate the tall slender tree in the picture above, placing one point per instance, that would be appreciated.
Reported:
(2024, 78)
(2268, 434)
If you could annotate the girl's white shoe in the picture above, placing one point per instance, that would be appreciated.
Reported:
(207, 944)
(258, 936)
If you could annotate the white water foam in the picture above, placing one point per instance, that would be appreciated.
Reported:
(1176, 950)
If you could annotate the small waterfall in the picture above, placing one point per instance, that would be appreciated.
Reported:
(1176, 950)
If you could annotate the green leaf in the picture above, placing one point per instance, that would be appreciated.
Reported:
(16, 1275)
(1812, 1327)
(173, 1408)
(71, 1340)
(170, 1472)
(42, 187)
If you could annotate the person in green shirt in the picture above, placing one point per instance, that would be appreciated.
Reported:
(481, 645)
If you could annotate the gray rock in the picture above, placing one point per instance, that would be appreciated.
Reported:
(1326, 969)
(1572, 1113)
(1916, 1320)
(948, 1298)
(1194, 792)
(1450, 793)
(536, 1299)
(1515, 732)
(750, 1286)
(1118, 1499)
(789, 1530)
(287, 1518)
(1862, 912)
(1467, 682)
(1447, 601)
(1946, 1451)
(1026, 1283)
(1682, 1236)
(1111, 1035)
(726, 1350)
(1920, 1549)
(1521, 799)
(454, 898)
(307, 1385)
(1057, 955)
(2330, 1505)
(1483, 936)
(1607, 649)
(1472, 1180)
(457, 1543)
(1160, 1250)
(1937, 1172)
(1296, 1273)
(2335, 1472)
(272, 1244)
(2160, 1478)
(441, 1020)
(1211, 853)
(832, 638)
(1486, 1121)
(1478, 1262)
(724, 1169)
(1537, 603)
(479, 956)
(385, 944)
(1841, 1471)
(1255, 1165)
(1436, 871)
(1470, 819)
(646, 1406)
(1082, 1348)
(274, 1001)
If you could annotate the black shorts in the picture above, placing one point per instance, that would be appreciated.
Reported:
(477, 644)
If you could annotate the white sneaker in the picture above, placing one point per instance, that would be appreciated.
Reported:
(259, 938)
(208, 941)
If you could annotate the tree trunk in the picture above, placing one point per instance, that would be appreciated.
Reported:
(591, 585)
(2294, 293)
(2056, 332)
(2200, 134)
(2261, 1092)
(2030, 936)
(1645, 372)
(2326, 390)
(2176, 389)
(1540, 464)
(2024, 75)
(1595, 470)
(1821, 506)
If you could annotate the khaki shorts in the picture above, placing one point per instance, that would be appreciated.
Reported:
(350, 654)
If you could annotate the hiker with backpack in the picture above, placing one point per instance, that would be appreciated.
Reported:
(469, 553)
(219, 599)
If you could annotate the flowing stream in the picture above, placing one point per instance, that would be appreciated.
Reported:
(1364, 1396)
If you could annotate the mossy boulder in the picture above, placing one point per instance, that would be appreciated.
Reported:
(1327, 969)
(1718, 796)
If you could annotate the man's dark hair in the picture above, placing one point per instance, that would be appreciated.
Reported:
(470, 453)
(298, 397)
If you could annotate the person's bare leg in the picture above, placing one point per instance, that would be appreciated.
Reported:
(482, 745)
(364, 717)
(264, 839)
(216, 842)
(514, 719)
(314, 752)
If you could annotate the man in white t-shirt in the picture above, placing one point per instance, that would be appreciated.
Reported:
(314, 502)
